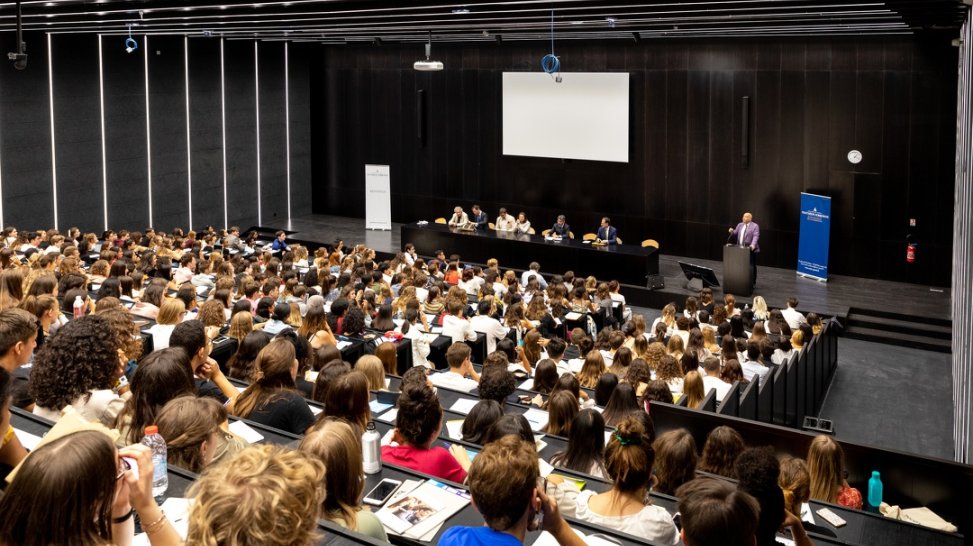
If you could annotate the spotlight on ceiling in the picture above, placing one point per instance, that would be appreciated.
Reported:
(428, 65)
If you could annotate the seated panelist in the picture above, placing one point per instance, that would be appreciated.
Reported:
(505, 222)
(459, 218)
(480, 218)
(561, 227)
(607, 234)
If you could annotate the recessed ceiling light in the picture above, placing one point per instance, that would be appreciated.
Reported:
(461, 10)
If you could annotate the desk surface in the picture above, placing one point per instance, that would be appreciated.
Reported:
(629, 264)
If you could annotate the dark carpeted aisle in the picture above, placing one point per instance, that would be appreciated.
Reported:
(893, 397)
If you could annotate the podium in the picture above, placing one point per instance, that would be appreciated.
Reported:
(736, 270)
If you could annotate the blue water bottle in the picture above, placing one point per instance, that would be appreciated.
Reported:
(874, 491)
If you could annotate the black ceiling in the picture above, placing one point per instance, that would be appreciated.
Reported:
(339, 21)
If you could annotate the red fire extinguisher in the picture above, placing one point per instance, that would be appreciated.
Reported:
(910, 249)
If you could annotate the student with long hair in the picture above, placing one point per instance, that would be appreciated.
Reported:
(629, 459)
(607, 384)
(419, 420)
(723, 445)
(480, 419)
(692, 388)
(675, 462)
(272, 398)
(241, 363)
(586, 445)
(826, 464)
(592, 369)
(562, 407)
(192, 430)
(621, 404)
(671, 372)
(160, 377)
(347, 399)
(337, 445)
(374, 371)
(104, 495)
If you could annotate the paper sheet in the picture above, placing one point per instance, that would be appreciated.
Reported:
(463, 405)
(246, 432)
(537, 419)
(28, 440)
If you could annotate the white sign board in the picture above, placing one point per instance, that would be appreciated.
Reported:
(378, 200)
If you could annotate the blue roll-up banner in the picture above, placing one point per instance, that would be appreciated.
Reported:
(812, 251)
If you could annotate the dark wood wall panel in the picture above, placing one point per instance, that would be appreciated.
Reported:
(125, 139)
(241, 133)
(80, 189)
(167, 114)
(273, 127)
(25, 138)
(300, 106)
(206, 132)
(811, 101)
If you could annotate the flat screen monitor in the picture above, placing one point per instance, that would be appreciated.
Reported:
(704, 274)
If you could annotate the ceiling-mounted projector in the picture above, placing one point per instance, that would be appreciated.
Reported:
(428, 65)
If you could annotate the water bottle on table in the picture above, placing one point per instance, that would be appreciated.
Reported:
(160, 473)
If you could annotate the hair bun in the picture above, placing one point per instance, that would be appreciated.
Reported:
(630, 431)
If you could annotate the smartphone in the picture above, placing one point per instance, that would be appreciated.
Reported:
(382, 492)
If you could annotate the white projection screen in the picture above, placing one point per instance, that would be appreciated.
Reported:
(583, 117)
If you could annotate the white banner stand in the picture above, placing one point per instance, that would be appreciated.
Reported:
(378, 201)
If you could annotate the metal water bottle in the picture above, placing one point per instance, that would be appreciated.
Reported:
(371, 449)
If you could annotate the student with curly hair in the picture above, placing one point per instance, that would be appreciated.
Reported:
(629, 458)
(79, 367)
(268, 495)
(417, 425)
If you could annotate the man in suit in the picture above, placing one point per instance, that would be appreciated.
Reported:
(480, 218)
(607, 233)
(561, 227)
(747, 233)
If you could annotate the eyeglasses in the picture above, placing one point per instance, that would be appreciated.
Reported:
(125, 467)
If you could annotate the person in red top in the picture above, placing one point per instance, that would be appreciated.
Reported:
(417, 425)
(826, 465)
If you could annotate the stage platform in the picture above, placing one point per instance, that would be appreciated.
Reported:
(837, 297)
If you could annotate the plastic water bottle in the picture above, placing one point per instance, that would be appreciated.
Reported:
(874, 491)
(371, 449)
(160, 473)
(78, 307)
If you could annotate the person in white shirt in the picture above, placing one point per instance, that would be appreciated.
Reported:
(505, 222)
(487, 325)
(455, 326)
(186, 271)
(535, 270)
(460, 366)
(410, 254)
(752, 366)
(794, 318)
(459, 218)
(711, 365)
(555, 351)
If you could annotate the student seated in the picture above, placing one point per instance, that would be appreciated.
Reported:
(417, 425)
(715, 512)
(338, 446)
(75, 488)
(272, 399)
(460, 366)
(192, 429)
(503, 483)
(264, 495)
(629, 458)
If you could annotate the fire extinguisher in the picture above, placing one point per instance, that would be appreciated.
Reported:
(910, 249)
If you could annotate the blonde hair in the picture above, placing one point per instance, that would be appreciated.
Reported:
(267, 495)
(692, 388)
(795, 481)
(592, 369)
(335, 443)
(374, 370)
(825, 463)
(171, 311)
(241, 324)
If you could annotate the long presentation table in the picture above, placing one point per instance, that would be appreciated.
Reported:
(629, 264)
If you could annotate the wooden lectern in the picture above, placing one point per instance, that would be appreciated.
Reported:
(736, 270)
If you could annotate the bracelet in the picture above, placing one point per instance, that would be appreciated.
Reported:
(155, 525)
(123, 519)
(8, 436)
